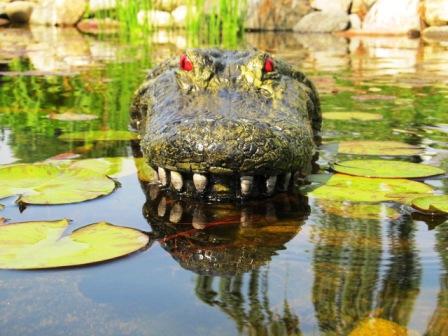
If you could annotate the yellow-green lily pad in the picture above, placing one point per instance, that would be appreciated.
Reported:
(359, 210)
(379, 327)
(38, 245)
(45, 183)
(70, 116)
(369, 190)
(392, 148)
(437, 204)
(362, 116)
(386, 169)
(99, 136)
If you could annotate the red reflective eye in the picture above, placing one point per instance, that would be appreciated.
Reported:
(185, 63)
(268, 65)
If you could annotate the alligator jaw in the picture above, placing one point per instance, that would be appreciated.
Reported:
(222, 187)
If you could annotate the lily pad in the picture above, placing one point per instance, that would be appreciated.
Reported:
(99, 136)
(360, 210)
(49, 184)
(386, 169)
(394, 148)
(37, 245)
(379, 327)
(362, 189)
(437, 204)
(362, 116)
(70, 116)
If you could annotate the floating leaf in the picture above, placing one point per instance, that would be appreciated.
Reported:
(362, 189)
(37, 245)
(378, 148)
(379, 327)
(49, 184)
(363, 116)
(99, 136)
(113, 166)
(386, 169)
(360, 210)
(437, 204)
(70, 116)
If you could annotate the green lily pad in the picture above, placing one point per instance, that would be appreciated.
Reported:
(386, 169)
(49, 184)
(437, 204)
(37, 245)
(359, 210)
(362, 116)
(394, 148)
(369, 190)
(70, 116)
(99, 136)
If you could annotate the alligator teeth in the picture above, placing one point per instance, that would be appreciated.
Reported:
(246, 184)
(153, 191)
(177, 181)
(270, 184)
(161, 209)
(163, 178)
(200, 182)
(176, 213)
(285, 182)
(199, 221)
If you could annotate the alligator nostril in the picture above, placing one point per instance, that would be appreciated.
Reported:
(200, 182)
(177, 180)
(270, 184)
(246, 184)
(163, 177)
(176, 213)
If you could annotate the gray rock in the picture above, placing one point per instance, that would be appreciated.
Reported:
(58, 12)
(355, 22)
(275, 15)
(436, 12)
(397, 16)
(323, 22)
(332, 5)
(436, 33)
(19, 11)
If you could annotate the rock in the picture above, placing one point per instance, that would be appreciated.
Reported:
(355, 21)
(100, 5)
(361, 6)
(99, 26)
(332, 5)
(435, 12)
(323, 22)
(58, 12)
(155, 18)
(436, 33)
(179, 15)
(397, 16)
(4, 22)
(275, 15)
(19, 11)
(167, 5)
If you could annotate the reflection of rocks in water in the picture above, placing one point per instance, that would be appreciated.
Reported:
(348, 267)
(224, 239)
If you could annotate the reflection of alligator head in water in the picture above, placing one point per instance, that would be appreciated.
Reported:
(224, 239)
(227, 124)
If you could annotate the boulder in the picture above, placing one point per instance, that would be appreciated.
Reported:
(392, 17)
(435, 12)
(100, 5)
(436, 33)
(155, 18)
(19, 11)
(355, 21)
(275, 15)
(333, 5)
(323, 22)
(179, 16)
(58, 12)
(361, 6)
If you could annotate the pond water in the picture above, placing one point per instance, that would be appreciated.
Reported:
(287, 266)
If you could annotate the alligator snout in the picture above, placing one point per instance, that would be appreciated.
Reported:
(238, 130)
